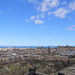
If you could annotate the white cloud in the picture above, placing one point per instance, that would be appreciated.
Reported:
(45, 8)
(42, 15)
(47, 5)
(61, 12)
(38, 21)
(63, 2)
(49, 13)
(32, 18)
(72, 28)
(72, 5)
(54, 3)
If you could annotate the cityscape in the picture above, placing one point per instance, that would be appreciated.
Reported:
(47, 60)
(37, 37)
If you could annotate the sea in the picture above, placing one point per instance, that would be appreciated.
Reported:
(26, 46)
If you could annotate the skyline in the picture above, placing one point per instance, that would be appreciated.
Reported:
(37, 22)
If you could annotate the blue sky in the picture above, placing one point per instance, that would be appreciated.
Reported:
(37, 22)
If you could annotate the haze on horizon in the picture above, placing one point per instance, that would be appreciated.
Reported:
(37, 22)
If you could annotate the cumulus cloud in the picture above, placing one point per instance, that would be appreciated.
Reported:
(72, 5)
(42, 15)
(38, 21)
(47, 5)
(49, 13)
(32, 18)
(61, 12)
(47, 8)
(72, 28)
(63, 2)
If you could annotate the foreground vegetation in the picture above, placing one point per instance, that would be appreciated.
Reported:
(20, 67)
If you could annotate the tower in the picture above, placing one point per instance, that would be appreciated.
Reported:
(49, 50)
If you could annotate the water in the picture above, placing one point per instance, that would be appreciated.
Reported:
(25, 46)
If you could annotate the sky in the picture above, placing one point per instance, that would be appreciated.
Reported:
(37, 22)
